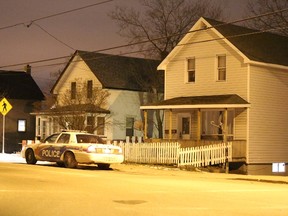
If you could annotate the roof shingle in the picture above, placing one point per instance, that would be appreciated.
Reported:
(121, 72)
(19, 85)
(257, 45)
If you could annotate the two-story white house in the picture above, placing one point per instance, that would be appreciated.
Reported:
(126, 79)
(226, 81)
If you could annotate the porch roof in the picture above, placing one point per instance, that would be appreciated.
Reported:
(78, 108)
(197, 102)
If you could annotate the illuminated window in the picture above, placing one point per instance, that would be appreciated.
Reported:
(221, 68)
(21, 125)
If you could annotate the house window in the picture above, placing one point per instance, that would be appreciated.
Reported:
(89, 88)
(129, 127)
(221, 69)
(191, 70)
(21, 125)
(73, 90)
(212, 123)
(90, 124)
(100, 125)
(185, 125)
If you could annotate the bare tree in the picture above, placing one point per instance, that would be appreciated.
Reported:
(162, 24)
(277, 21)
(72, 113)
(158, 29)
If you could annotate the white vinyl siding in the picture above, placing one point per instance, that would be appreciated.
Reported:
(240, 124)
(205, 54)
(77, 72)
(268, 132)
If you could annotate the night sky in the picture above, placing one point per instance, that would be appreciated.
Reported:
(88, 29)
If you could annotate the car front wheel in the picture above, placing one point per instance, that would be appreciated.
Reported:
(30, 157)
(69, 160)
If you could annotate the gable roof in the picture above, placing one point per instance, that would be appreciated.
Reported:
(254, 45)
(121, 72)
(19, 85)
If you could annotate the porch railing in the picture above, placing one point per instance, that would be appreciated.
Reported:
(171, 153)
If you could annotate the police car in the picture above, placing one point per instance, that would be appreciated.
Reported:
(70, 148)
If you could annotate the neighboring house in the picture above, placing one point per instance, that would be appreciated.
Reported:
(127, 80)
(22, 92)
(226, 81)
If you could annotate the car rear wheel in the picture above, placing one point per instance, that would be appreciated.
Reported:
(104, 166)
(60, 164)
(69, 160)
(30, 157)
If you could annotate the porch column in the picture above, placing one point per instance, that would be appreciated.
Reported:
(198, 124)
(225, 133)
(145, 124)
(170, 124)
(225, 128)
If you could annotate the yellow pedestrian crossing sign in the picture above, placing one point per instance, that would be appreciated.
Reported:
(5, 106)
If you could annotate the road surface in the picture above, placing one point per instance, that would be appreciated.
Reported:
(125, 190)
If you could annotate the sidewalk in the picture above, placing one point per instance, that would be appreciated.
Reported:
(140, 168)
(16, 158)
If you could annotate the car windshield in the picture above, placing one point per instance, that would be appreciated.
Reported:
(51, 139)
(84, 138)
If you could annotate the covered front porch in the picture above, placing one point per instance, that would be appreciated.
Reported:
(204, 120)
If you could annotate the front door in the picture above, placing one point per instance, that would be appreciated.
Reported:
(184, 125)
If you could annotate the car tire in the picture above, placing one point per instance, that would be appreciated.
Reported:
(103, 166)
(69, 160)
(60, 164)
(30, 157)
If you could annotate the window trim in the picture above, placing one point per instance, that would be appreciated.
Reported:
(218, 68)
(190, 70)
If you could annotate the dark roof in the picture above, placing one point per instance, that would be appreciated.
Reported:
(204, 100)
(256, 45)
(19, 85)
(122, 72)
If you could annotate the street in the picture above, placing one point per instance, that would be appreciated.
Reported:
(46, 189)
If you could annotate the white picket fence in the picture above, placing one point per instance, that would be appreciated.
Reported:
(205, 155)
(170, 153)
(151, 153)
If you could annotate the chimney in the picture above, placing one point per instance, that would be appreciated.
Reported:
(28, 69)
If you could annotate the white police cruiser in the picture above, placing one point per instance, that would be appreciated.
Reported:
(70, 148)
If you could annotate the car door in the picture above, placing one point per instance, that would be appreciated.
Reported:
(50, 149)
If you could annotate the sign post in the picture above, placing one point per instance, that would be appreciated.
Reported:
(5, 108)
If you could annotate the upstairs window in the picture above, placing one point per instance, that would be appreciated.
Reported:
(89, 88)
(191, 70)
(221, 68)
(73, 90)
